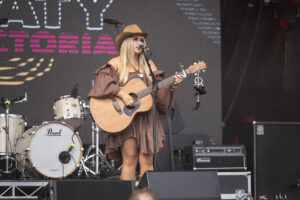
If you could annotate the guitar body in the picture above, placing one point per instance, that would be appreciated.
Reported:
(107, 116)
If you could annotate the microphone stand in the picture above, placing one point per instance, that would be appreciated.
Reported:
(114, 22)
(154, 89)
(117, 27)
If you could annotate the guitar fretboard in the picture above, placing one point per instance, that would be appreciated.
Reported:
(161, 84)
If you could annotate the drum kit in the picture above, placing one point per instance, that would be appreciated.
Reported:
(53, 149)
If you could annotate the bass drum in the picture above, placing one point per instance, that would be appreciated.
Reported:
(52, 149)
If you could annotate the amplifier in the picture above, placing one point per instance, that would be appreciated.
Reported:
(214, 157)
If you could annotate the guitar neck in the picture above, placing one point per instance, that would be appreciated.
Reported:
(161, 84)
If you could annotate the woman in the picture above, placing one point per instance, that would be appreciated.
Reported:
(134, 144)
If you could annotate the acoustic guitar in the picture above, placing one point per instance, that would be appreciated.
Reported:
(113, 116)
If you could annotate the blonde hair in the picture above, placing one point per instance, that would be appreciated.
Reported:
(138, 194)
(126, 57)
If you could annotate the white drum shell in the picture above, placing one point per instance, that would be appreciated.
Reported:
(42, 146)
(16, 129)
(69, 110)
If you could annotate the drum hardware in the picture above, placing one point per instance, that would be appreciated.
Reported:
(6, 104)
(97, 160)
(21, 168)
(86, 108)
(10, 164)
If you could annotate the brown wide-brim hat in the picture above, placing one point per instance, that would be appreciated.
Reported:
(128, 31)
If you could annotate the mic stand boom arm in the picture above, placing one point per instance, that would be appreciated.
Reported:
(154, 89)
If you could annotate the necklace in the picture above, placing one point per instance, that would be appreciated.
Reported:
(140, 75)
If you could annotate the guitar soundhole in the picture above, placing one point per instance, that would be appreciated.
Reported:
(135, 97)
(130, 110)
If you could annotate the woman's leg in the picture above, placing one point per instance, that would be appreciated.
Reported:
(130, 158)
(146, 163)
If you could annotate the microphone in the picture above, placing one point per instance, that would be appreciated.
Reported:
(146, 51)
(112, 21)
(71, 147)
(140, 46)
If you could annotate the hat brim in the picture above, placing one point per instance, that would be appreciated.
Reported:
(123, 35)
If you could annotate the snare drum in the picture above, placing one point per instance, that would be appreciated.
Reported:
(69, 110)
(52, 149)
(16, 128)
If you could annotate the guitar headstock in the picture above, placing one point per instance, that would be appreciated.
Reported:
(196, 67)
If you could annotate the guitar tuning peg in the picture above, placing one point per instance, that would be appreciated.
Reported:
(180, 66)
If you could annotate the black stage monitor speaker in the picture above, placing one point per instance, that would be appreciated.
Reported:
(276, 159)
(92, 189)
(187, 185)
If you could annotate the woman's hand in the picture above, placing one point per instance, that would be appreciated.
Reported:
(177, 79)
(127, 99)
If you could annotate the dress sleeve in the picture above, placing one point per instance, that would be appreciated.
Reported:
(165, 97)
(106, 83)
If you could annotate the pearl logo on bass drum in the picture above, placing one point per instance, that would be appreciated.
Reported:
(50, 132)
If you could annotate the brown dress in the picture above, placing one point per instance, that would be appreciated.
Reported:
(106, 86)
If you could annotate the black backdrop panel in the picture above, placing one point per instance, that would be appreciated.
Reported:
(277, 163)
(49, 46)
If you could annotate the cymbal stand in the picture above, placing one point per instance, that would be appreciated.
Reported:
(7, 103)
(85, 158)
